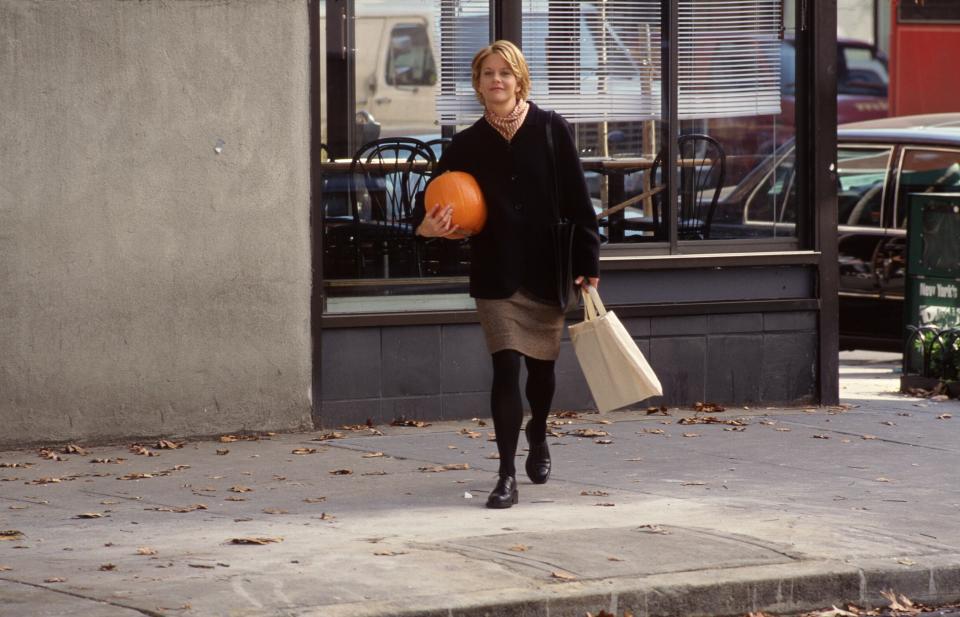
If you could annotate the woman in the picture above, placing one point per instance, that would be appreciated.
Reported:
(512, 259)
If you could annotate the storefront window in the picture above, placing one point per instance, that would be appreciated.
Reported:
(598, 64)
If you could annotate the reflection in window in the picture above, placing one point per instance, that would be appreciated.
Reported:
(861, 178)
(409, 58)
(926, 171)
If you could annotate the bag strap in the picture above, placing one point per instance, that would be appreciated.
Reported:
(592, 304)
(553, 168)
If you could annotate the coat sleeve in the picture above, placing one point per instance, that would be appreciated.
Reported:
(446, 163)
(575, 202)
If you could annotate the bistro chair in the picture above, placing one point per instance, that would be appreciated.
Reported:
(701, 177)
(386, 174)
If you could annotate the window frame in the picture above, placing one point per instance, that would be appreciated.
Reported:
(904, 148)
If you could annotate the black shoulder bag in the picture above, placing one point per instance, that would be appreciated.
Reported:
(562, 230)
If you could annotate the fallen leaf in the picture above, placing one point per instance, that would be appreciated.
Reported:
(944, 416)
(783, 429)
(821, 436)
(50, 455)
(340, 472)
(373, 455)
(735, 429)
(44, 481)
(328, 436)
(389, 553)
(468, 433)
(567, 414)
(493, 455)
(837, 612)
(304, 451)
(868, 437)
(11, 534)
(907, 562)
(708, 407)
(882, 479)
(112, 461)
(5, 568)
(900, 603)
(603, 442)
(614, 559)
(71, 448)
(594, 493)
(588, 432)
(222, 451)
(563, 575)
(15, 465)
(55, 579)
(604, 421)
(235, 499)
(314, 499)
(374, 473)
(241, 489)
(255, 540)
(274, 511)
(19, 507)
(89, 515)
(165, 444)
(655, 431)
(712, 420)
(146, 550)
(402, 421)
(662, 410)
(605, 505)
(107, 567)
(326, 517)
(695, 483)
(179, 509)
(201, 565)
(649, 528)
(447, 467)
(519, 548)
(141, 451)
(691, 434)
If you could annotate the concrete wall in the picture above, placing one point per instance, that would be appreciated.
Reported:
(150, 284)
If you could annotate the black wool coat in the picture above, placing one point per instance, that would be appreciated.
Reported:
(514, 249)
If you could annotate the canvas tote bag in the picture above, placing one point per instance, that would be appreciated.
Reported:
(616, 371)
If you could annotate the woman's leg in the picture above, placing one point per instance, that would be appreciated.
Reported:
(541, 383)
(506, 406)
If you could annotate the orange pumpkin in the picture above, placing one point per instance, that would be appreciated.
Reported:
(460, 190)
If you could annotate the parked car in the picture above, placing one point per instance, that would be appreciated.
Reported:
(879, 163)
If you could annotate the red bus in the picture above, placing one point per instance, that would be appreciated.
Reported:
(924, 48)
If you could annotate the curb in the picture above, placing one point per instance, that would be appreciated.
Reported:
(777, 589)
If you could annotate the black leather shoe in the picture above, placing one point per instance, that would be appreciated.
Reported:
(504, 494)
(538, 460)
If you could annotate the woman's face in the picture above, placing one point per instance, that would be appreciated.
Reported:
(498, 84)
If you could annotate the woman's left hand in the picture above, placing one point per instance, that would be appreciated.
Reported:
(592, 281)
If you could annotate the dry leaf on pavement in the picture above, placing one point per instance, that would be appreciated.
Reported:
(222, 451)
(108, 567)
(708, 407)
(603, 442)
(588, 432)
(340, 472)
(944, 416)
(821, 436)
(255, 540)
(165, 444)
(89, 515)
(402, 421)
(275, 511)
(564, 576)
(11, 534)
(389, 553)
(314, 499)
(691, 434)
(72, 448)
(837, 612)
(51, 455)
(594, 493)
(373, 455)
(447, 467)
(605, 505)
(241, 489)
(650, 528)
(900, 603)
(55, 579)
(328, 436)
(146, 550)
(519, 548)
(303, 451)
(179, 509)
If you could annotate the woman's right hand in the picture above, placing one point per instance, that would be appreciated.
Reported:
(438, 223)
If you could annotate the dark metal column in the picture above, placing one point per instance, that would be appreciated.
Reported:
(669, 54)
(316, 219)
(816, 163)
(341, 94)
(507, 18)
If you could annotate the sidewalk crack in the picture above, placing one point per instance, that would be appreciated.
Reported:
(146, 611)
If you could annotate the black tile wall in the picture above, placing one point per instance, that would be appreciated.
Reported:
(734, 368)
(412, 363)
(350, 364)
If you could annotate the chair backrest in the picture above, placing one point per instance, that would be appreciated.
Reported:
(702, 173)
(386, 174)
(438, 145)
(701, 177)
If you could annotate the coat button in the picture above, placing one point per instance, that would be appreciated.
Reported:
(514, 177)
(518, 206)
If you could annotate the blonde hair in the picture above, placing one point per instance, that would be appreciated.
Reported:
(514, 58)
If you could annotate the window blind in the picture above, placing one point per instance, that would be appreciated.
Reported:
(461, 28)
(729, 58)
(600, 60)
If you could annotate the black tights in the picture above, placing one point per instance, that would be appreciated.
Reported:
(507, 408)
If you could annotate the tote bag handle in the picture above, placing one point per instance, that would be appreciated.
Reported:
(592, 304)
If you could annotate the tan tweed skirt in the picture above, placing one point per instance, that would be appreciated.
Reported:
(522, 323)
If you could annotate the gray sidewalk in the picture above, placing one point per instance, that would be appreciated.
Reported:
(780, 510)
